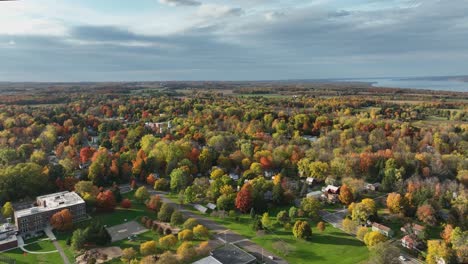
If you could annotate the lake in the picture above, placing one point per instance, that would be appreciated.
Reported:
(443, 85)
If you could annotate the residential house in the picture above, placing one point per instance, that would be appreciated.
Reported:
(384, 230)
(412, 228)
(331, 193)
(408, 242)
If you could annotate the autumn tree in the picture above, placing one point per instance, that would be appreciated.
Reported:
(154, 203)
(7, 210)
(128, 254)
(349, 226)
(373, 238)
(167, 258)
(105, 201)
(396, 203)
(384, 253)
(167, 241)
(321, 226)
(311, 206)
(266, 222)
(302, 230)
(186, 251)
(282, 217)
(126, 203)
(185, 235)
(426, 213)
(148, 248)
(361, 232)
(62, 220)
(244, 199)
(438, 251)
(346, 196)
(190, 223)
(201, 231)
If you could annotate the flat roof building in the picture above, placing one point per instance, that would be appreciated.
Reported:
(37, 217)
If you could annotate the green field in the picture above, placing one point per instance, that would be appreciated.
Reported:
(41, 246)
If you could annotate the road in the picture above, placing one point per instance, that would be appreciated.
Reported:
(222, 234)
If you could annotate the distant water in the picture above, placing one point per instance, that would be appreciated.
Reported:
(442, 85)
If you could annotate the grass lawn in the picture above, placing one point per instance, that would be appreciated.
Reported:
(41, 246)
(332, 246)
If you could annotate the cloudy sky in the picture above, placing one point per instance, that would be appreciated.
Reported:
(114, 40)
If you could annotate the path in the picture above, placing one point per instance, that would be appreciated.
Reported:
(223, 234)
(50, 234)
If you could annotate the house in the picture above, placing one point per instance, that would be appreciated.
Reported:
(310, 180)
(373, 186)
(408, 242)
(413, 229)
(384, 230)
(331, 193)
(36, 218)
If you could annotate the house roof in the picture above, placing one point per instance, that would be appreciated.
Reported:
(407, 239)
(381, 227)
(331, 188)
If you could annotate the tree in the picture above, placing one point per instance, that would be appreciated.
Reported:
(7, 210)
(384, 253)
(177, 218)
(292, 212)
(148, 248)
(282, 217)
(167, 258)
(203, 248)
(185, 235)
(302, 230)
(278, 194)
(266, 222)
(311, 206)
(257, 223)
(321, 226)
(186, 251)
(346, 196)
(165, 212)
(154, 203)
(446, 234)
(349, 226)
(128, 254)
(363, 210)
(78, 239)
(361, 232)
(62, 220)
(141, 194)
(167, 241)
(396, 203)
(244, 199)
(105, 201)
(179, 179)
(161, 185)
(201, 232)
(85, 187)
(318, 170)
(226, 202)
(190, 223)
(437, 250)
(373, 238)
(126, 203)
(426, 213)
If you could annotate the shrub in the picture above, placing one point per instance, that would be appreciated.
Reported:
(185, 235)
(201, 231)
(190, 223)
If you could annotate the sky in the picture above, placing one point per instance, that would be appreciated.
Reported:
(146, 40)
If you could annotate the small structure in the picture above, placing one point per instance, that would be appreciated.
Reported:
(230, 254)
(413, 229)
(373, 186)
(268, 174)
(408, 242)
(310, 138)
(211, 206)
(268, 196)
(234, 176)
(331, 193)
(200, 208)
(384, 230)
(315, 194)
(310, 180)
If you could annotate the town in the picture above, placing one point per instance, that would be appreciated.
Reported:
(220, 177)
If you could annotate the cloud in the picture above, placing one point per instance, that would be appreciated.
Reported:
(180, 2)
(219, 11)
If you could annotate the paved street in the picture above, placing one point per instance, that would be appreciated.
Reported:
(222, 234)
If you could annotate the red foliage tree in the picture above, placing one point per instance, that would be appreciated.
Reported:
(85, 154)
(154, 203)
(62, 220)
(244, 198)
(126, 203)
(105, 201)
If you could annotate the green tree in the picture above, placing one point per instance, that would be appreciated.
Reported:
(7, 210)
(282, 217)
(141, 194)
(78, 239)
(384, 253)
(266, 222)
(302, 230)
(179, 179)
(311, 206)
(190, 223)
(177, 218)
(165, 212)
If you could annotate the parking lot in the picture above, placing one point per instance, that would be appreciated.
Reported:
(123, 231)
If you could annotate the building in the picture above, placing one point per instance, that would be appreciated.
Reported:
(331, 193)
(408, 242)
(416, 229)
(37, 218)
(231, 254)
(384, 230)
(8, 238)
(310, 180)
(373, 186)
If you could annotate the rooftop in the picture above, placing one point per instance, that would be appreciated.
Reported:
(51, 202)
(231, 254)
(381, 227)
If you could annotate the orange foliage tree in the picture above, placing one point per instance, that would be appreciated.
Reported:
(62, 220)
